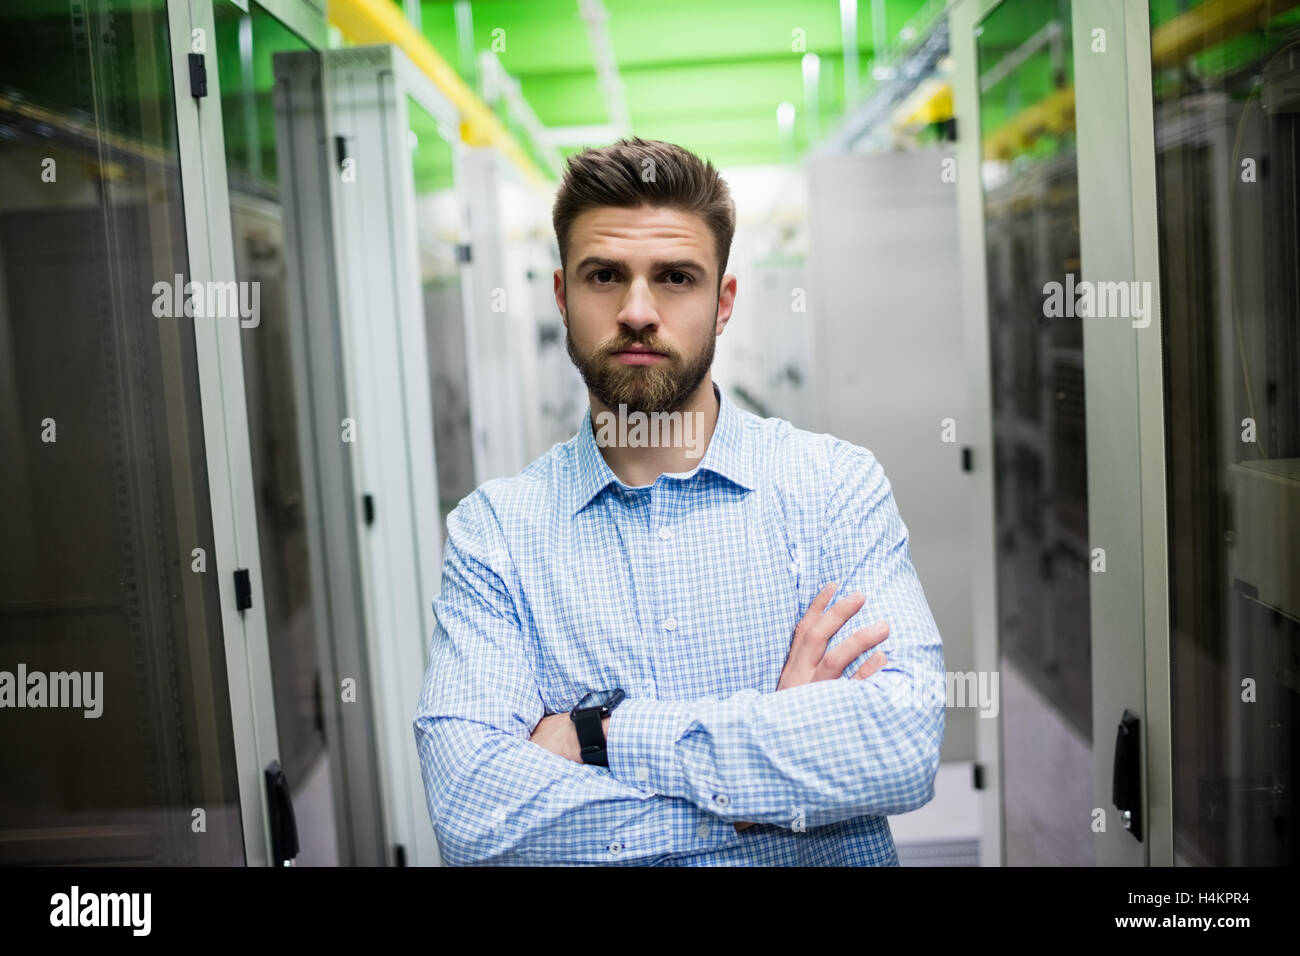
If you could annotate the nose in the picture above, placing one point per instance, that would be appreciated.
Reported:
(638, 310)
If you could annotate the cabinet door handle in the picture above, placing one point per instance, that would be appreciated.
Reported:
(1127, 783)
(284, 829)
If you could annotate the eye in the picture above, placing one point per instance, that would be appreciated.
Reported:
(688, 279)
(601, 272)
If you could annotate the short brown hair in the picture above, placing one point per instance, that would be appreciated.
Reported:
(616, 175)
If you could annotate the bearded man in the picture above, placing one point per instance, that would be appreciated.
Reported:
(638, 658)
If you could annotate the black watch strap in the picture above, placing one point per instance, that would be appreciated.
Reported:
(591, 736)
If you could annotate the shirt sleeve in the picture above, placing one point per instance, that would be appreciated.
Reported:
(831, 750)
(494, 796)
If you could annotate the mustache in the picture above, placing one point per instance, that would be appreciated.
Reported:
(624, 342)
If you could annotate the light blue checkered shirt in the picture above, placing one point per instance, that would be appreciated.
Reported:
(685, 593)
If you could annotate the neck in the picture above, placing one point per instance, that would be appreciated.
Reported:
(639, 447)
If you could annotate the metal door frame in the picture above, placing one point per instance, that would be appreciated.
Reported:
(225, 429)
(1125, 398)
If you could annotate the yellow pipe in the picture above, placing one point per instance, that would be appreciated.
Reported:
(381, 21)
(1209, 25)
(1054, 112)
(1172, 42)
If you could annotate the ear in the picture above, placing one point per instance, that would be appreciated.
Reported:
(561, 299)
(726, 302)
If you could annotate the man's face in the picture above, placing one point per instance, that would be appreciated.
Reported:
(641, 305)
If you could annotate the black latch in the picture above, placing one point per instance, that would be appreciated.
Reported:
(284, 828)
(978, 775)
(1127, 788)
(967, 458)
(399, 854)
(318, 704)
(243, 590)
(463, 252)
(368, 508)
(340, 150)
(198, 76)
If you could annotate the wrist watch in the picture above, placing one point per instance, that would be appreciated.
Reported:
(587, 717)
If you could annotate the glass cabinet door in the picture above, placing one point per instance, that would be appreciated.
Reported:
(246, 43)
(1226, 96)
(1031, 215)
(121, 750)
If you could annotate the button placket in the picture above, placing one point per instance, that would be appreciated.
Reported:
(645, 572)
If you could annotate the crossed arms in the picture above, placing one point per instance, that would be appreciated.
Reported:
(681, 773)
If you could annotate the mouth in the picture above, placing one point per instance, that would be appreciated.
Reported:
(639, 356)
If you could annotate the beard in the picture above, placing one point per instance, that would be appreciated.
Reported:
(661, 387)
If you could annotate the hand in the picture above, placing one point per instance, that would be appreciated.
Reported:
(808, 660)
(558, 734)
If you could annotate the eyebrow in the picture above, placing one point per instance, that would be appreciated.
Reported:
(663, 265)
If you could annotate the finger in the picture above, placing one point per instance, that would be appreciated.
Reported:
(845, 653)
(830, 623)
(826, 627)
(814, 612)
(873, 664)
(799, 654)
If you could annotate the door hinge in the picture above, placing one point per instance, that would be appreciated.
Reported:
(198, 76)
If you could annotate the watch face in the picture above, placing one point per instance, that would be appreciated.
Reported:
(599, 698)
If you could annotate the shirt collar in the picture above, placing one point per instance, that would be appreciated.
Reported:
(726, 456)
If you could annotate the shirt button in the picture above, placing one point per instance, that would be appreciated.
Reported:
(722, 800)
(670, 624)
(643, 773)
(702, 830)
(615, 848)
(665, 533)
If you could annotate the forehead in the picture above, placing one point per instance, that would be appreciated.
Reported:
(649, 231)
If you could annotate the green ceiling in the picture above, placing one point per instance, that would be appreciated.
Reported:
(706, 75)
